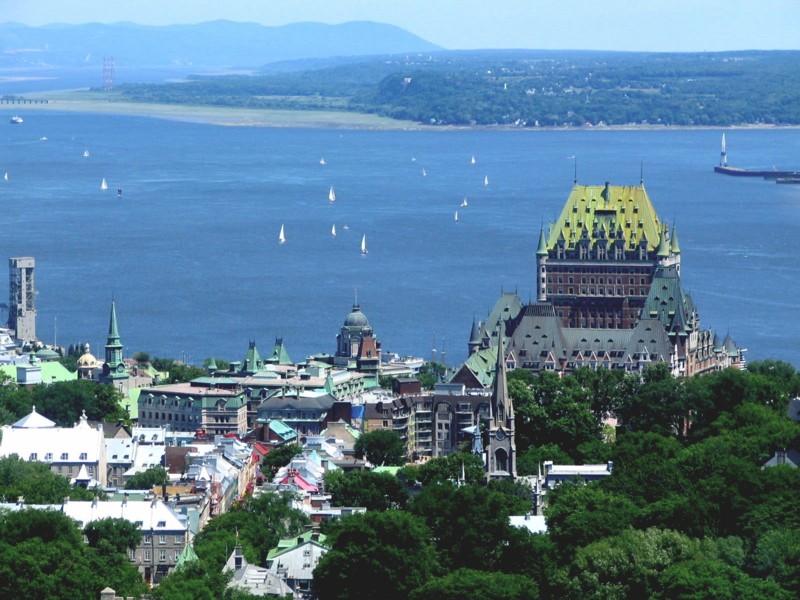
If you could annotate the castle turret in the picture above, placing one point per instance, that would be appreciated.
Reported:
(541, 267)
(474, 338)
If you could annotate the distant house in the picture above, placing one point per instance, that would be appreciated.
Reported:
(253, 579)
(790, 458)
(294, 561)
(163, 532)
(67, 450)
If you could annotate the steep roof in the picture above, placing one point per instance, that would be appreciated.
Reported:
(605, 210)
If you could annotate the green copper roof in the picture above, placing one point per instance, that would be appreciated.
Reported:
(252, 360)
(542, 251)
(475, 335)
(674, 247)
(623, 210)
(279, 354)
(482, 364)
(663, 245)
(187, 555)
(113, 332)
(52, 372)
(287, 544)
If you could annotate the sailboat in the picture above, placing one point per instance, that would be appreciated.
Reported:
(364, 244)
(464, 201)
(322, 161)
(455, 217)
(85, 154)
(103, 184)
(473, 161)
(486, 180)
(331, 195)
(5, 177)
(424, 173)
(281, 236)
(333, 230)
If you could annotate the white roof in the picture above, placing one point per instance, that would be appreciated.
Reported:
(255, 580)
(298, 562)
(149, 515)
(80, 444)
(533, 523)
(149, 435)
(34, 421)
(120, 450)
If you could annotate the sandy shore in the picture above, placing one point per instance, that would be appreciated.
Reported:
(216, 115)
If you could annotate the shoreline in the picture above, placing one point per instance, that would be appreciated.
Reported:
(251, 117)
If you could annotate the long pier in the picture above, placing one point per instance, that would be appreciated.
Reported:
(7, 100)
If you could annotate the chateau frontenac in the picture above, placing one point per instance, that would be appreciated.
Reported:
(609, 294)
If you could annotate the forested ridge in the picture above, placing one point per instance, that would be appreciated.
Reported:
(520, 88)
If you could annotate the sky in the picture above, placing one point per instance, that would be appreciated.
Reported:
(633, 25)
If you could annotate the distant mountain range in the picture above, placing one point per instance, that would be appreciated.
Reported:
(216, 44)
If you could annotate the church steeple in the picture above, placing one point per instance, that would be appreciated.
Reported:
(114, 367)
(502, 450)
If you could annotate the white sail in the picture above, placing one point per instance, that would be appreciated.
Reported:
(85, 154)
(281, 236)
(455, 218)
(473, 161)
(331, 195)
(5, 177)
(103, 184)
(424, 173)
(333, 230)
(364, 244)
(322, 161)
(464, 201)
(486, 180)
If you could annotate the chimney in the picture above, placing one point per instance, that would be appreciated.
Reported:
(610, 466)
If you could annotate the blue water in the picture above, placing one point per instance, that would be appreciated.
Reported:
(191, 255)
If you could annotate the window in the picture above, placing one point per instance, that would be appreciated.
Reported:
(65, 456)
(33, 456)
(162, 539)
(179, 540)
(83, 456)
(147, 556)
(131, 554)
(148, 539)
(162, 555)
(48, 456)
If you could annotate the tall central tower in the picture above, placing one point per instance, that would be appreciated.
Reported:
(22, 298)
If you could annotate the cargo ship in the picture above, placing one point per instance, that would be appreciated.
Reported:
(773, 173)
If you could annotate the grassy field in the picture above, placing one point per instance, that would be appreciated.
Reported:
(96, 102)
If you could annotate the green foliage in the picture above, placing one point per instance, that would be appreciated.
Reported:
(430, 373)
(143, 358)
(120, 534)
(35, 482)
(42, 556)
(469, 524)
(521, 88)
(447, 469)
(375, 555)
(530, 461)
(579, 514)
(65, 401)
(381, 447)
(375, 491)
(178, 371)
(279, 457)
(196, 581)
(146, 480)
(467, 583)
(260, 523)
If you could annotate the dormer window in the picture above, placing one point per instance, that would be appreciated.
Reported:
(83, 456)
(33, 456)
(65, 456)
(48, 456)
